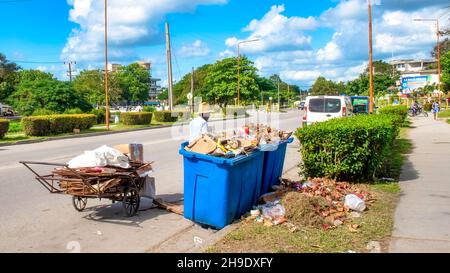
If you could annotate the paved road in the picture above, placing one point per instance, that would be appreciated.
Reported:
(32, 220)
(422, 218)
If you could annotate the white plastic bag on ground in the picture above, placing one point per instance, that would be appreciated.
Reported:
(354, 202)
(103, 156)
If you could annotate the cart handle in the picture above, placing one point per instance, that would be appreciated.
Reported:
(43, 163)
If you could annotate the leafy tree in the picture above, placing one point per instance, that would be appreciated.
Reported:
(39, 90)
(164, 94)
(322, 86)
(221, 81)
(8, 77)
(445, 66)
(134, 80)
(183, 87)
(90, 85)
(385, 78)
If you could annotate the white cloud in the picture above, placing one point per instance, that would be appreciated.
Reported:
(275, 32)
(130, 23)
(196, 49)
(226, 53)
(331, 52)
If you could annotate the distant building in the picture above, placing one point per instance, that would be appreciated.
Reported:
(155, 89)
(113, 67)
(146, 65)
(416, 73)
(411, 66)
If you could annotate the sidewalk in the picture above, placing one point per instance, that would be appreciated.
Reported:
(422, 218)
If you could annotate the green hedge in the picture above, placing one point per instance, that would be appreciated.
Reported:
(57, 124)
(4, 126)
(166, 116)
(347, 149)
(136, 118)
(150, 109)
(397, 113)
(100, 114)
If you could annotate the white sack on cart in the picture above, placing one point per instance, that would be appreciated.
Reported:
(103, 156)
(149, 189)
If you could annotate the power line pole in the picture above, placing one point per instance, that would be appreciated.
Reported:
(438, 57)
(106, 66)
(279, 94)
(370, 58)
(70, 69)
(192, 91)
(169, 67)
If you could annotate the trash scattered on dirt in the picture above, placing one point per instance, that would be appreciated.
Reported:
(355, 214)
(374, 247)
(354, 203)
(99, 233)
(386, 179)
(320, 202)
(198, 241)
(353, 227)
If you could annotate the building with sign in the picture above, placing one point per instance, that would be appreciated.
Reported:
(416, 74)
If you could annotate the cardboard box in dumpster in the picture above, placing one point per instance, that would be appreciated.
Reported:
(135, 151)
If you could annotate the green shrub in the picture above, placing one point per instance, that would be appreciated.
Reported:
(150, 109)
(43, 112)
(397, 113)
(4, 126)
(100, 114)
(15, 126)
(396, 110)
(166, 116)
(136, 118)
(352, 148)
(73, 111)
(57, 124)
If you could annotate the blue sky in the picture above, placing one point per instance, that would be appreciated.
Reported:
(299, 39)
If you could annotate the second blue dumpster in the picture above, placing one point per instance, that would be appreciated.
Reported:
(219, 190)
(273, 166)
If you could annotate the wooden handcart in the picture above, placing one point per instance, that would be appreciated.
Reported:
(113, 183)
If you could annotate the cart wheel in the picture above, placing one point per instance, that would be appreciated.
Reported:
(79, 203)
(131, 201)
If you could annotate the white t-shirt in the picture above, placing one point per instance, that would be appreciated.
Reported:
(197, 127)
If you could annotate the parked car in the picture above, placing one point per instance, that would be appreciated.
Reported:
(323, 108)
(301, 106)
(6, 110)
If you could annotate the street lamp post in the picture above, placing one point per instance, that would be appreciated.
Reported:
(239, 67)
(106, 65)
(438, 45)
(370, 58)
(438, 48)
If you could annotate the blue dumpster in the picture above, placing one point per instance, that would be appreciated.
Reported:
(219, 190)
(273, 166)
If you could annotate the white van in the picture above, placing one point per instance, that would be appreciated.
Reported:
(322, 108)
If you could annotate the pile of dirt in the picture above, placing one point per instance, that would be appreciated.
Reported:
(302, 210)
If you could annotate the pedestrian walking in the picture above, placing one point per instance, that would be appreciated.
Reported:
(199, 125)
(435, 109)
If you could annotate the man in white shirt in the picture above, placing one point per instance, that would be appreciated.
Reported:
(199, 125)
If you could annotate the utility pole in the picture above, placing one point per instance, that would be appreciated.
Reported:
(279, 106)
(370, 58)
(192, 91)
(169, 67)
(438, 57)
(70, 69)
(106, 66)
(289, 95)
